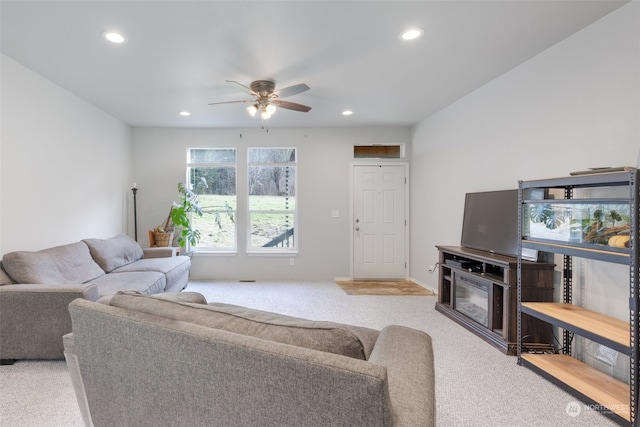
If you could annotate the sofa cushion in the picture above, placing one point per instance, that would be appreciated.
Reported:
(323, 336)
(66, 264)
(173, 267)
(114, 252)
(146, 282)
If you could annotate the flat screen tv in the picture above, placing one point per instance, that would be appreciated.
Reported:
(491, 223)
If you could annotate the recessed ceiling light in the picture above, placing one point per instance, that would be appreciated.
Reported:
(347, 112)
(413, 33)
(185, 113)
(114, 37)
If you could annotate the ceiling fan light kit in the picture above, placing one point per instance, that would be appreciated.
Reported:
(266, 110)
(267, 99)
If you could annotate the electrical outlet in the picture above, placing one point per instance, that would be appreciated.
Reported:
(292, 261)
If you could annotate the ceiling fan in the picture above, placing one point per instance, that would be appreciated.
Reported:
(267, 99)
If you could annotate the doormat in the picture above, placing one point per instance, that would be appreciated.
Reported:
(369, 287)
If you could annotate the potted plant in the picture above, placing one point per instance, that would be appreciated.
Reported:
(180, 216)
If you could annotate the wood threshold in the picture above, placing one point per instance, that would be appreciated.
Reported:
(612, 394)
(607, 327)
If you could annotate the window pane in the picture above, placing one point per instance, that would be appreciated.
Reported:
(272, 230)
(208, 155)
(217, 223)
(218, 203)
(220, 180)
(272, 198)
(272, 203)
(376, 152)
(215, 187)
(272, 188)
(272, 155)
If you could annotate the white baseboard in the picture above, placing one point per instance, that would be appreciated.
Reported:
(418, 282)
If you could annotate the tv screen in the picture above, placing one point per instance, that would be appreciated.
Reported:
(491, 223)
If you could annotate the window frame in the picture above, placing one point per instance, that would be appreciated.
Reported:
(189, 166)
(260, 250)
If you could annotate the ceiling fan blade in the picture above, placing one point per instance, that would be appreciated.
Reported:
(291, 90)
(242, 87)
(292, 106)
(231, 102)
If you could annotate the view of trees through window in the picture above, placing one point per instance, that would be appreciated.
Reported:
(218, 199)
(272, 198)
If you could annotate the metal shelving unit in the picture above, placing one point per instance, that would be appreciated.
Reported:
(618, 399)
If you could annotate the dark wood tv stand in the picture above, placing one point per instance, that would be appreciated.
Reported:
(486, 279)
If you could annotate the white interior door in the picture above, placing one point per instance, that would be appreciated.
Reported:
(379, 221)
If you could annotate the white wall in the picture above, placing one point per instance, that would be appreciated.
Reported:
(324, 155)
(575, 106)
(65, 165)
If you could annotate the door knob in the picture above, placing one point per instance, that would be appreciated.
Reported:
(357, 228)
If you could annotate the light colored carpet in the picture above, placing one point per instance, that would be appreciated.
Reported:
(369, 287)
(476, 385)
(37, 394)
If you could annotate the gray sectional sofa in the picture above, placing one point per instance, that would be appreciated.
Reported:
(37, 287)
(149, 360)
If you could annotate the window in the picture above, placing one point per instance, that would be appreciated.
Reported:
(216, 167)
(378, 151)
(272, 199)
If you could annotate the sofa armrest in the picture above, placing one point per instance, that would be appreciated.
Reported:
(159, 252)
(408, 356)
(34, 317)
(73, 366)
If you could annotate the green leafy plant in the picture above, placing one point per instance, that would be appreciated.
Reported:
(545, 213)
(599, 231)
(180, 218)
(181, 213)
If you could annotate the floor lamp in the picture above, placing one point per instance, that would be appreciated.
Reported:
(134, 189)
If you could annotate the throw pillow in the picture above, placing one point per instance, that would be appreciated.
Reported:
(114, 252)
(66, 264)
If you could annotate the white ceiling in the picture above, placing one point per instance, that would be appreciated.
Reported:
(180, 53)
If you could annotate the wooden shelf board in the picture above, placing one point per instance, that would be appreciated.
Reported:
(598, 324)
(597, 386)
